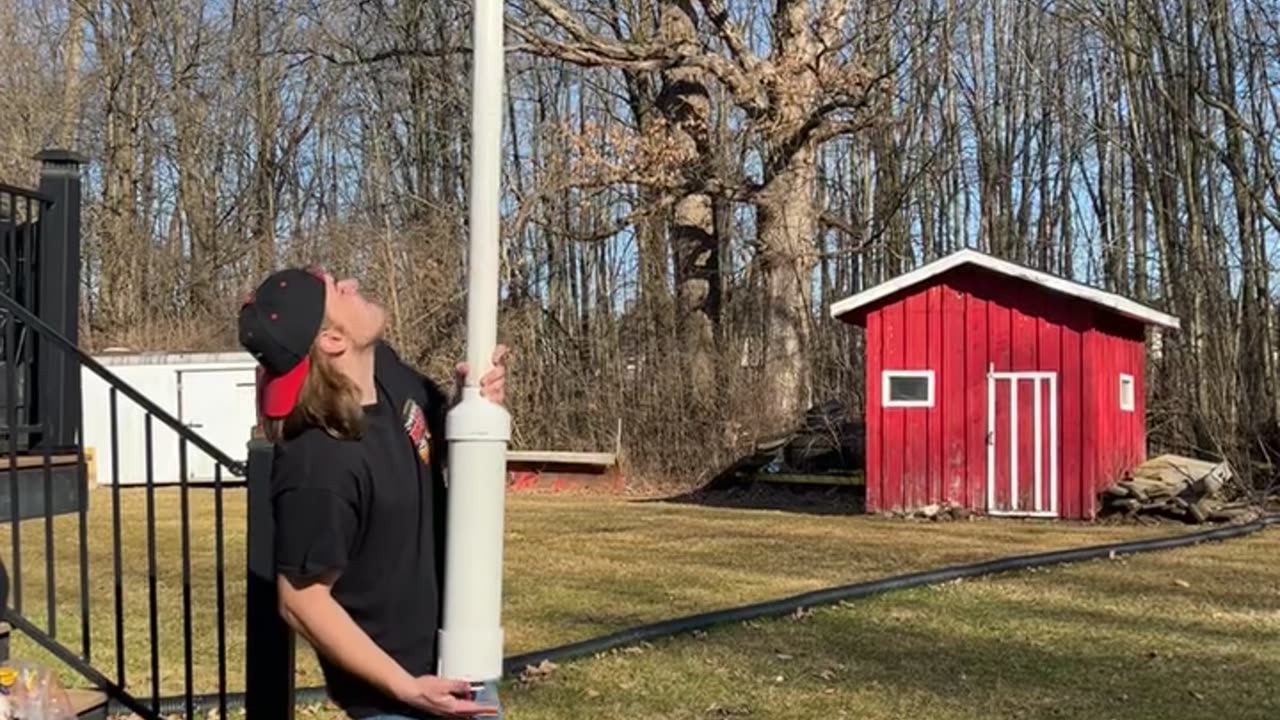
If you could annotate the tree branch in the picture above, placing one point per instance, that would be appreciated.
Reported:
(381, 56)
(830, 23)
(592, 50)
(821, 125)
(1238, 173)
(729, 33)
(566, 21)
(830, 128)
(600, 53)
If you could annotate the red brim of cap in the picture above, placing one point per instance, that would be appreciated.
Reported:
(278, 394)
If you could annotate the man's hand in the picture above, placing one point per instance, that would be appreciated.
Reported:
(441, 697)
(493, 384)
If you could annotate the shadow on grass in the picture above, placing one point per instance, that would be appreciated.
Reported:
(1238, 590)
(1173, 622)
(979, 658)
(787, 497)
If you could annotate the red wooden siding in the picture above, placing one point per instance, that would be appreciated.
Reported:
(957, 325)
(975, 409)
(913, 440)
(1071, 404)
(937, 460)
(952, 390)
(874, 432)
(1117, 348)
(893, 420)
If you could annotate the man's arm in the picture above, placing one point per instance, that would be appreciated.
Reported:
(311, 611)
(316, 523)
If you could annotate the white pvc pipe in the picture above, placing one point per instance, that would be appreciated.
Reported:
(477, 430)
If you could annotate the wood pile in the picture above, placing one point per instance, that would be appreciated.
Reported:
(1176, 487)
(830, 439)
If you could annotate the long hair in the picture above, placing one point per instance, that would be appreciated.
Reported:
(329, 400)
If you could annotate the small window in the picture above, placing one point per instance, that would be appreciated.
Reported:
(1126, 393)
(907, 388)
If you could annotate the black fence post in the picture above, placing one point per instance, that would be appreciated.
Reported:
(269, 642)
(58, 299)
(5, 628)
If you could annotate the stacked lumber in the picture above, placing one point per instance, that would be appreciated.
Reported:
(1176, 487)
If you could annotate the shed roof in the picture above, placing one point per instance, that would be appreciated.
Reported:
(968, 256)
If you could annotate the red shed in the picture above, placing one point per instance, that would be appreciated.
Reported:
(999, 388)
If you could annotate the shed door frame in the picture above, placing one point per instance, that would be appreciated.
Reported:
(1038, 379)
(201, 467)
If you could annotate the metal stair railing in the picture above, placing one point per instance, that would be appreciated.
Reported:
(229, 474)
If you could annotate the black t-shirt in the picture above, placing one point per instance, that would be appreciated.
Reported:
(374, 510)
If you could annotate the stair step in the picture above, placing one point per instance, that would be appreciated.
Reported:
(88, 703)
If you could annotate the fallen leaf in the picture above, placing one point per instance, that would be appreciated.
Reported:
(534, 673)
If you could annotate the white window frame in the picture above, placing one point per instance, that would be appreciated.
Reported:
(1127, 379)
(886, 377)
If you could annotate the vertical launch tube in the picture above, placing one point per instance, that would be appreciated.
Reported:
(471, 639)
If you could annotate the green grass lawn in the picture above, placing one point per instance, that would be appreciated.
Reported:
(1185, 633)
(1104, 639)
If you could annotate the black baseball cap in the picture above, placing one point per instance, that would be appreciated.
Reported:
(278, 324)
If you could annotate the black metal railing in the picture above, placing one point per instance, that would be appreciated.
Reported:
(21, 214)
(127, 643)
(60, 492)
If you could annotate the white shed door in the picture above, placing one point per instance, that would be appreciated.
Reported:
(219, 406)
(1022, 443)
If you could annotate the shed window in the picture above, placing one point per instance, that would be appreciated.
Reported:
(1126, 393)
(907, 388)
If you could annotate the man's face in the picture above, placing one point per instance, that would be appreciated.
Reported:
(358, 320)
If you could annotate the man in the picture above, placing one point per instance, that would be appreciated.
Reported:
(358, 494)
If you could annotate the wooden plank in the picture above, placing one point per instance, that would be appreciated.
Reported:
(915, 441)
(1171, 485)
(1071, 429)
(853, 479)
(977, 338)
(37, 461)
(893, 418)
(952, 386)
(935, 467)
(560, 457)
(87, 702)
(1172, 469)
(1091, 377)
(874, 414)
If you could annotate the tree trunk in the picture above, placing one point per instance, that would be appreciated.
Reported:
(686, 106)
(787, 225)
(71, 73)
